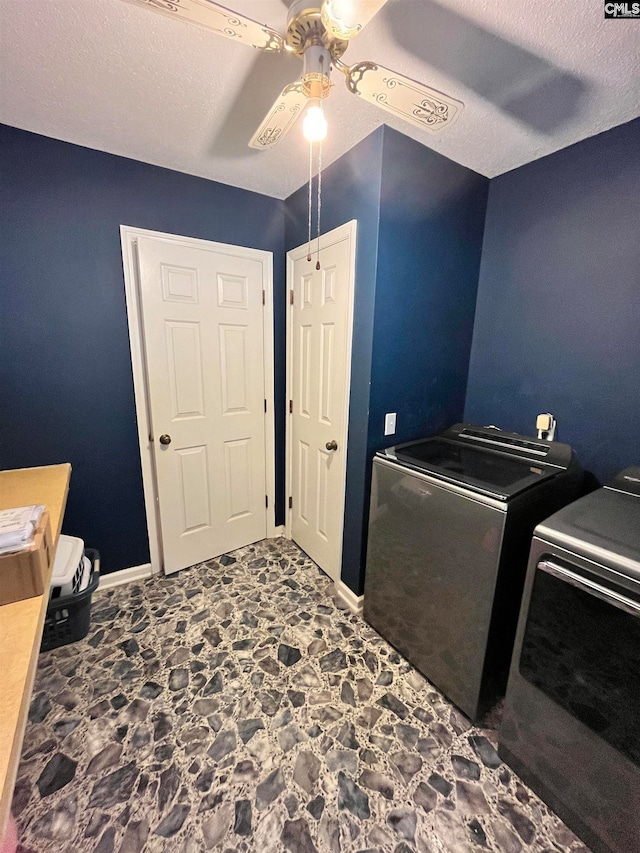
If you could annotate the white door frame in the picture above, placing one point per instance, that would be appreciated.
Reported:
(342, 232)
(129, 239)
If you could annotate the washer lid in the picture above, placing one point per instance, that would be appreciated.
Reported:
(603, 526)
(483, 470)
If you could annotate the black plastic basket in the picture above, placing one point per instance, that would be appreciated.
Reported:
(68, 618)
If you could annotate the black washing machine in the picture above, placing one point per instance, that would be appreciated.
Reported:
(450, 527)
(571, 720)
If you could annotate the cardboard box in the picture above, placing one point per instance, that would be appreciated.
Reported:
(25, 573)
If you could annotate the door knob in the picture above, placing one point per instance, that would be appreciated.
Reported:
(332, 445)
(165, 439)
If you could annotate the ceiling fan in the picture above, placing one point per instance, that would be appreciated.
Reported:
(319, 33)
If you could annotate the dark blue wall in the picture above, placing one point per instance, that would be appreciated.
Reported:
(558, 320)
(65, 373)
(351, 190)
(432, 214)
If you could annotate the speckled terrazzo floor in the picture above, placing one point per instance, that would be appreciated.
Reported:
(236, 706)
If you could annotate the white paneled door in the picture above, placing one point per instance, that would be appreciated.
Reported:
(202, 319)
(319, 378)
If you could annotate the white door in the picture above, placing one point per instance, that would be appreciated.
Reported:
(203, 335)
(320, 370)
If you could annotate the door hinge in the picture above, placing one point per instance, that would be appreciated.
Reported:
(290, 407)
(290, 503)
(265, 406)
(291, 297)
(264, 298)
(266, 501)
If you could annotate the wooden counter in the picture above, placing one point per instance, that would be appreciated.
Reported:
(21, 622)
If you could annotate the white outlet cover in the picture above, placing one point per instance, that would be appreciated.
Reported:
(390, 423)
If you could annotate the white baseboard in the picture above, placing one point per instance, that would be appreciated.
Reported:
(277, 532)
(135, 573)
(354, 602)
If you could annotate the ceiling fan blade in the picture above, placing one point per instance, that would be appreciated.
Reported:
(345, 18)
(414, 102)
(281, 117)
(219, 20)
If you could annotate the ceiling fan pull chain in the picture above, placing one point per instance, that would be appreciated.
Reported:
(319, 202)
(310, 198)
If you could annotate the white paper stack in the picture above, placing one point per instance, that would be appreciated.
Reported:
(17, 527)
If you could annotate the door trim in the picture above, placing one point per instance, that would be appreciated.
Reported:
(129, 241)
(342, 232)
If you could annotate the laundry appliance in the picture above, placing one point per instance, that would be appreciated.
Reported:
(451, 520)
(571, 719)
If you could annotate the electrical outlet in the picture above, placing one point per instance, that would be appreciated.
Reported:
(390, 423)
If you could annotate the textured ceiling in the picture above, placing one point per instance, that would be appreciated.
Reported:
(535, 76)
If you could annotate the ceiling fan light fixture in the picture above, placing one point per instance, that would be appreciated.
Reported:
(339, 15)
(344, 19)
(318, 32)
(314, 126)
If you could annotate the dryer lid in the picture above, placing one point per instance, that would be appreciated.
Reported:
(627, 481)
(603, 526)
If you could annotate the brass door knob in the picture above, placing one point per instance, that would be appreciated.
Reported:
(165, 439)
(332, 445)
